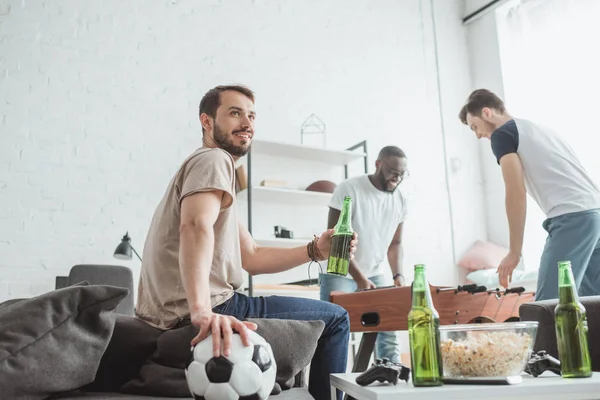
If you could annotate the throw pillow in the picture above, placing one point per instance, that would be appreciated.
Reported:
(9, 302)
(293, 343)
(483, 255)
(484, 277)
(54, 342)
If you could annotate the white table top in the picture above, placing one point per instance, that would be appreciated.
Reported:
(545, 386)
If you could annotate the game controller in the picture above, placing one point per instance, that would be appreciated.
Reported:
(541, 362)
(383, 370)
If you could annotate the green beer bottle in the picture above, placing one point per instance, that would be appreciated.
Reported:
(339, 253)
(424, 334)
(571, 327)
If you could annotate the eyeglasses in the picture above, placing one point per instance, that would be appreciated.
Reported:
(393, 171)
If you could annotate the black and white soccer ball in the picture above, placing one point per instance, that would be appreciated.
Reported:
(248, 373)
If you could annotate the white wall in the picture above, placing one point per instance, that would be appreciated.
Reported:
(486, 72)
(463, 164)
(99, 106)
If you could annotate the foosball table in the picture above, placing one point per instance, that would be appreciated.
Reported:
(386, 309)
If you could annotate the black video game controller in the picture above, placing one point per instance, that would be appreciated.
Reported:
(383, 370)
(540, 362)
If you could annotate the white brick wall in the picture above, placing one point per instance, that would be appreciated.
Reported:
(487, 73)
(98, 105)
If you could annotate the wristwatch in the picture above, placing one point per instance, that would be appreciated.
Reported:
(397, 275)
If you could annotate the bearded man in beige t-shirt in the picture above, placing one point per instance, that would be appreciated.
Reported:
(196, 249)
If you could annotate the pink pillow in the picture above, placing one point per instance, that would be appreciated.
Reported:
(483, 255)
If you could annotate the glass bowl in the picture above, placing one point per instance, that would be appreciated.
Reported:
(486, 350)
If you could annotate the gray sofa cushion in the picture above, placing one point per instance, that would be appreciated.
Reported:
(54, 342)
(293, 343)
(132, 343)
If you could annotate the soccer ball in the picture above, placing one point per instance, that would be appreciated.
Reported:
(248, 373)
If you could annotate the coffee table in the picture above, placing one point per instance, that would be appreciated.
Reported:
(545, 386)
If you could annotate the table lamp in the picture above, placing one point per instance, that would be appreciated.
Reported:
(124, 249)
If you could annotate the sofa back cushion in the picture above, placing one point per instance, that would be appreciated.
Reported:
(54, 342)
(132, 343)
(293, 344)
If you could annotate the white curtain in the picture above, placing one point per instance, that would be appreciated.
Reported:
(550, 52)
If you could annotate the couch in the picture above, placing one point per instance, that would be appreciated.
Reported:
(543, 312)
(114, 377)
(69, 343)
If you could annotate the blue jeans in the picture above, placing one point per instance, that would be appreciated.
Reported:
(386, 344)
(331, 355)
(571, 237)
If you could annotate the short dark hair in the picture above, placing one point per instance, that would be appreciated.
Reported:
(478, 100)
(391, 151)
(212, 99)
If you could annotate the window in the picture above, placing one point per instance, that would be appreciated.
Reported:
(550, 58)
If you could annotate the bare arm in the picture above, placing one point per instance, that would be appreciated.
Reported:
(199, 212)
(395, 255)
(268, 260)
(516, 210)
(516, 200)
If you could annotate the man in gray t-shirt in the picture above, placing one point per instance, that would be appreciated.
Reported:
(537, 161)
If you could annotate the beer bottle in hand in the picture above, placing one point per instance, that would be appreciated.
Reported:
(339, 253)
(571, 327)
(424, 334)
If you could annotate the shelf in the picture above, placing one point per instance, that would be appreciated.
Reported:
(293, 203)
(281, 242)
(296, 274)
(301, 152)
(298, 288)
(309, 292)
(286, 196)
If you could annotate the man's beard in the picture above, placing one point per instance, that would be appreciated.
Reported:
(225, 142)
(384, 184)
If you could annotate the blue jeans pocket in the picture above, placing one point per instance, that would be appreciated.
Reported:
(224, 308)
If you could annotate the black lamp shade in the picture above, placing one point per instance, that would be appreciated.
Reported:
(123, 251)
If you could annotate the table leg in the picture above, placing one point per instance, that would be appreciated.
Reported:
(333, 393)
(367, 344)
(361, 360)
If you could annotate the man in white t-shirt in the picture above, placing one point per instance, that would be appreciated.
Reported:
(378, 213)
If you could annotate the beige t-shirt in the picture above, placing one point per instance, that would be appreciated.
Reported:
(161, 300)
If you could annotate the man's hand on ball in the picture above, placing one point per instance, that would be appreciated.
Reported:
(221, 327)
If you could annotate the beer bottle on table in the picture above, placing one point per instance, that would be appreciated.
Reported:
(424, 334)
(339, 253)
(571, 327)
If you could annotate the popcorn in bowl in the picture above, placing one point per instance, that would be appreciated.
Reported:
(486, 350)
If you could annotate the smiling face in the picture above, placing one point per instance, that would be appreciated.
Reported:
(232, 129)
(391, 170)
